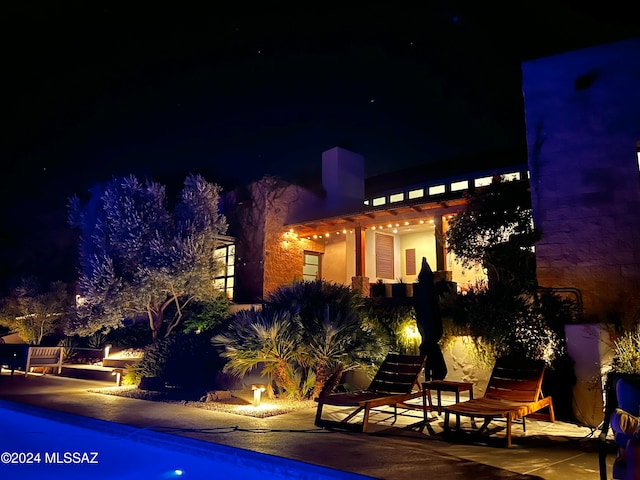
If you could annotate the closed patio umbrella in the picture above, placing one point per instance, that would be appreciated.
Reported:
(429, 323)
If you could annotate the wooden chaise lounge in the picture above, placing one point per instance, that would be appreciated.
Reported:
(514, 392)
(396, 381)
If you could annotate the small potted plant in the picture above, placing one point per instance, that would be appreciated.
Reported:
(399, 289)
(378, 289)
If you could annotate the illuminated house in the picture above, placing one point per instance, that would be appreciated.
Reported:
(355, 231)
(582, 112)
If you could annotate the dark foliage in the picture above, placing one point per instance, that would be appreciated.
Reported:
(183, 360)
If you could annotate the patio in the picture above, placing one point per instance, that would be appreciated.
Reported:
(402, 451)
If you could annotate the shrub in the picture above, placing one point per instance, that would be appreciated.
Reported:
(206, 317)
(503, 322)
(181, 360)
(627, 352)
(304, 339)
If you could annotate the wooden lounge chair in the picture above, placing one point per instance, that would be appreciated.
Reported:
(514, 391)
(395, 382)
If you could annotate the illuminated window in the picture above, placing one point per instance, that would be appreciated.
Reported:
(461, 185)
(436, 190)
(396, 197)
(638, 154)
(224, 281)
(311, 266)
(379, 201)
(482, 182)
(416, 193)
(509, 177)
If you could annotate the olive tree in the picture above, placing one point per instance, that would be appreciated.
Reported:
(140, 258)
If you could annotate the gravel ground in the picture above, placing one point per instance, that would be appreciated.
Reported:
(239, 403)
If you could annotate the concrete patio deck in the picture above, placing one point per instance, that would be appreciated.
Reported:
(404, 450)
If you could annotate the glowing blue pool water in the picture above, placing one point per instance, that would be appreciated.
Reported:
(42, 444)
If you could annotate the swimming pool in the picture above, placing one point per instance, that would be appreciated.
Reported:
(45, 444)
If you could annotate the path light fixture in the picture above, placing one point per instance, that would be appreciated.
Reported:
(118, 374)
(257, 393)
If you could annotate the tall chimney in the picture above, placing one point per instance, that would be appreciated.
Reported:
(343, 180)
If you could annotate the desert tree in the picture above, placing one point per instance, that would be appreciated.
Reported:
(139, 258)
(35, 312)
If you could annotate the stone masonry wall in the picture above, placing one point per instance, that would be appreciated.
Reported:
(582, 112)
(284, 253)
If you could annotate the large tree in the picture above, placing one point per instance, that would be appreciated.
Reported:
(140, 258)
(35, 312)
(496, 230)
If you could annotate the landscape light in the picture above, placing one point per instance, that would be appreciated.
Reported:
(257, 392)
(118, 374)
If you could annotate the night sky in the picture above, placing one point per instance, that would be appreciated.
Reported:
(93, 90)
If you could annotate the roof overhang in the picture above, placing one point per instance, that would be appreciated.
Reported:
(401, 216)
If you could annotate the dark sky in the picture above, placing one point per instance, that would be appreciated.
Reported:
(93, 89)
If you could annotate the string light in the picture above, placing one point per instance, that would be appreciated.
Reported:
(291, 233)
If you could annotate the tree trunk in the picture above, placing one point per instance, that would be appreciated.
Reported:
(283, 379)
(322, 377)
(155, 322)
(332, 382)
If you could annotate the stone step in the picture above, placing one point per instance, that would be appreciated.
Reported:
(88, 372)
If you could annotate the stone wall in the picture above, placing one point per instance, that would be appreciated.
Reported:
(266, 256)
(582, 112)
(283, 251)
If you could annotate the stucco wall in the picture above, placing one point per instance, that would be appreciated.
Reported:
(424, 244)
(334, 262)
(582, 112)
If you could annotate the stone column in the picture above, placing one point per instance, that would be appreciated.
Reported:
(361, 284)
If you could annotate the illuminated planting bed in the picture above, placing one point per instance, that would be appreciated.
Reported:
(45, 444)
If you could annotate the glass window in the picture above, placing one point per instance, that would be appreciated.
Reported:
(510, 177)
(436, 190)
(311, 266)
(224, 280)
(419, 193)
(482, 182)
(461, 185)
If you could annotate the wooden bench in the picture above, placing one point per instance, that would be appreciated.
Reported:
(45, 357)
(514, 392)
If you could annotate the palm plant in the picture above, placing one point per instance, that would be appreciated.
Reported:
(338, 342)
(335, 336)
(267, 338)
